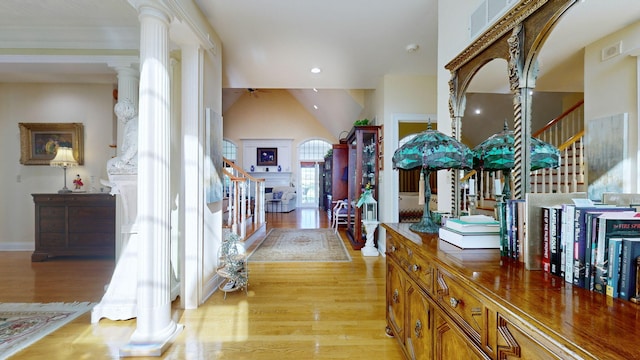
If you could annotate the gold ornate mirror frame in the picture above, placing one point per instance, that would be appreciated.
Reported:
(517, 37)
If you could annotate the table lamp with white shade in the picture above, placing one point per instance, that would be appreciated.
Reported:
(64, 159)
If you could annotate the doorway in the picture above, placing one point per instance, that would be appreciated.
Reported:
(311, 154)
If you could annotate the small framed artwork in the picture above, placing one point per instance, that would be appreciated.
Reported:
(40, 141)
(267, 156)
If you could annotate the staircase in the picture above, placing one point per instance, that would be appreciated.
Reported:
(244, 211)
(566, 132)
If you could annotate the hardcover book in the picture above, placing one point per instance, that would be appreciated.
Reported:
(628, 268)
(546, 241)
(470, 241)
(581, 243)
(566, 237)
(474, 224)
(610, 225)
(613, 268)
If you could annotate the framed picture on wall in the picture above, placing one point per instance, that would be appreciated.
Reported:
(40, 141)
(267, 156)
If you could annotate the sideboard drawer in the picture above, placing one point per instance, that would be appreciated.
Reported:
(465, 308)
(420, 270)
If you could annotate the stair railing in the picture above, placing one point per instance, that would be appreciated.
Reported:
(246, 198)
(566, 132)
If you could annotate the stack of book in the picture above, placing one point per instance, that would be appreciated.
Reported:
(472, 232)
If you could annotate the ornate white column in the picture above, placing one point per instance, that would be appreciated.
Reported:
(155, 328)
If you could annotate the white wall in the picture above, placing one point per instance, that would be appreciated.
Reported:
(90, 104)
(453, 37)
(611, 88)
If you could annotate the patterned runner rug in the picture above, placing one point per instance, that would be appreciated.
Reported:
(23, 324)
(301, 245)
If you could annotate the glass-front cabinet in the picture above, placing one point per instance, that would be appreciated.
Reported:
(335, 176)
(363, 172)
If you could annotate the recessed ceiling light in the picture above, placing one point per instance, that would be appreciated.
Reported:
(478, 111)
(316, 70)
(314, 89)
(315, 107)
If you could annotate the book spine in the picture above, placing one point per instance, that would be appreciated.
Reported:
(559, 243)
(590, 253)
(624, 269)
(522, 247)
(579, 249)
(630, 251)
(554, 247)
(500, 209)
(568, 218)
(509, 221)
(612, 274)
(546, 241)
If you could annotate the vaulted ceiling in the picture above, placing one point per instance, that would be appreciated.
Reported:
(274, 44)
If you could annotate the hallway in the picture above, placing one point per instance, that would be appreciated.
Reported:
(292, 310)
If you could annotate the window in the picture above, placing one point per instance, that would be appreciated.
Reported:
(229, 150)
(313, 150)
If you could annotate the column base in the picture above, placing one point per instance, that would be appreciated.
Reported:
(369, 251)
(139, 349)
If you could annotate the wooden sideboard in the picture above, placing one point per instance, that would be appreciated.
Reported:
(445, 304)
(74, 224)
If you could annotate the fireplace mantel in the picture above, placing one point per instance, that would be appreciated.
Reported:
(273, 178)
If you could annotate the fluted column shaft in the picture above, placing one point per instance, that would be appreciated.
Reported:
(128, 79)
(154, 306)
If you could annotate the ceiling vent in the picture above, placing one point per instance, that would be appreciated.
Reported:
(611, 51)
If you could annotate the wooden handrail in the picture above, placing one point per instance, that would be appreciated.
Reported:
(571, 140)
(241, 170)
(468, 175)
(559, 118)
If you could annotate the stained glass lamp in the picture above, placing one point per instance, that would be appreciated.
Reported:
(431, 150)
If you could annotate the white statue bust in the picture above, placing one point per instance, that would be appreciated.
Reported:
(127, 160)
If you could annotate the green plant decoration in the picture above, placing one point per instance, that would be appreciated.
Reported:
(361, 122)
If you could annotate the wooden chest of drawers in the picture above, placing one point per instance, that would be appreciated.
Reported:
(74, 224)
(475, 305)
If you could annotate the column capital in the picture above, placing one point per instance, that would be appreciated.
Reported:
(154, 8)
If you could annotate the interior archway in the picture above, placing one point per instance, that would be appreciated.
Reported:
(517, 37)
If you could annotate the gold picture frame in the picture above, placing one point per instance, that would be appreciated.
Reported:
(40, 141)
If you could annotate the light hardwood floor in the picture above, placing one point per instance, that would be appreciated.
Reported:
(292, 310)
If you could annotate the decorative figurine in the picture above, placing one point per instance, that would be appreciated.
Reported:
(78, 182)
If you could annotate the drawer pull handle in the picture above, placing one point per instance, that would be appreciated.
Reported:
(417, 330)
(415, 268)
(453, 302)
(396, 296)
(393, 248)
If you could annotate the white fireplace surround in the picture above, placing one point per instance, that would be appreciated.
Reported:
(273, 179)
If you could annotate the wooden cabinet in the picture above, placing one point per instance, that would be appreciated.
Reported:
(335, 175)
(74, 224)
(476, 305)
(363, 170)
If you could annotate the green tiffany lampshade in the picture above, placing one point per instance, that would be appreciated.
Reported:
(432, 151)
(497, 154)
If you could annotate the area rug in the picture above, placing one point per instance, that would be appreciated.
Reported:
(301, 245)
(22, 324)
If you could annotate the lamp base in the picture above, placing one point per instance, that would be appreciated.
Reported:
(64, 191)
(426, 225)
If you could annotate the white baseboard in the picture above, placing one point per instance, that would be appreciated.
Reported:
(17, 246)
